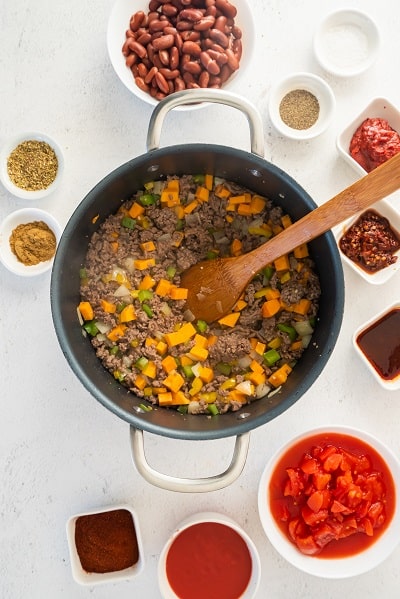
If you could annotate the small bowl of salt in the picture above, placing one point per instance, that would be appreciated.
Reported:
(346, 43)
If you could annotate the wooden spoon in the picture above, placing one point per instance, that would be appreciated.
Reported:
(216, 285)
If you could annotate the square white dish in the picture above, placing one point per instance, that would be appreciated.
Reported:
(377, 108)
(94, 578)
(390, 385)
(380, 276)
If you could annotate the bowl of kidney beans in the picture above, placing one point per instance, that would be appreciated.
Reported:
(158, 48)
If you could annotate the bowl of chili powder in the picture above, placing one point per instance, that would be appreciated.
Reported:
(105, 545)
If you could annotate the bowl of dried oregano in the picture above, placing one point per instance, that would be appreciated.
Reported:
(31, 165)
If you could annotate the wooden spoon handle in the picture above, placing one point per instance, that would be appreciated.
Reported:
(378, 184)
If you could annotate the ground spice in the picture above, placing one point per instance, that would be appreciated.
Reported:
(299, 109)
(33, 243)
(107, 541)
(32, 165)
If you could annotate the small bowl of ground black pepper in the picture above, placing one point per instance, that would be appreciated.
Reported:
(105, 545)
(301, 106)
(28, 241)
(31, 165)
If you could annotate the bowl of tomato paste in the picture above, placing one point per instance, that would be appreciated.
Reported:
(327, 501)
(372, 137)
(209, 555)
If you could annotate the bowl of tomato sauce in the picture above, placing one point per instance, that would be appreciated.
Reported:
(327, 501)
(209, 555)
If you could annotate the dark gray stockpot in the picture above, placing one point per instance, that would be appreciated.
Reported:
(247, 169)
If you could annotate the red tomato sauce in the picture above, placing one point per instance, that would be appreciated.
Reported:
(381, 345)
(209, 560)
(332, 495)
(374, 142)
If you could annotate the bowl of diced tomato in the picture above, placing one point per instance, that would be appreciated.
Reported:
(327, 501)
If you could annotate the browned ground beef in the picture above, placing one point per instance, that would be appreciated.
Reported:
(181, 238)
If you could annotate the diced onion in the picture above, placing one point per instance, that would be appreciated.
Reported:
(244, 362)
(165, 309)
(102, 327)
(196, 368)
(305, 340)
(261, 390)
(245, 387)
(303, 327)
(81, 321)
(122, 291)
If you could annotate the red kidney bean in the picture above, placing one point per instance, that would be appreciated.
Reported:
(131, 60)
(174, 58)
(220, 23)
(226, 8)
(142, 70)
(225, 73)
(161, 82)
(136, 20)
(154, 5)
(220, 57)
(157, 25)
(191, 48)
(236, 32)
(194, 68)
(179, 84)
(191, 14)
(210, 64)
(144, 39)
(164, 42)
(184, 25)
(170, 73)
(141, 84)
(233, 62)
(164, 57)
(150, 75)
(237, 48)
(205, 23)
(219, 36)
(137, 48)
(204, 79)
(169, 10)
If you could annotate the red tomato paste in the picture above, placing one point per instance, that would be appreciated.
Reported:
(374, 142)
(209, 560)
(332, 494)
(381, 345)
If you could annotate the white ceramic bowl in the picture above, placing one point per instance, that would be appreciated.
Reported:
(316, 86)
(338, 567)
(166, 589)
(19, 217)
(346, 43)
(389, 385)
(118, 23)
(380, 276)
(5, 152)
(377, 108)
(94, 578)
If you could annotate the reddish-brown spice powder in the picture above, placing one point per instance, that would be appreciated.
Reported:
(107, 541)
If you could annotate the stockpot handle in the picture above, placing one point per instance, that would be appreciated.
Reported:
(218, 96)
(189, 485)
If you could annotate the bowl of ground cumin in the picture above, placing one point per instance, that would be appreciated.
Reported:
(301, 106)
(31, 165)
(28, 241)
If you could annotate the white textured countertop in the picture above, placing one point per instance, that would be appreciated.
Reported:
(61, 452)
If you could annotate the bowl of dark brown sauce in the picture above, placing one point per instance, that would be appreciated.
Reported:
(377, 342)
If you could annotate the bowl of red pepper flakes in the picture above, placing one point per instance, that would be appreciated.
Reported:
(328, 504)
(369, 242)
(372, 137)
(377, 343)
(105, 545)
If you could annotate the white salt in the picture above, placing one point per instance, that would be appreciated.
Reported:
(345, 46)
